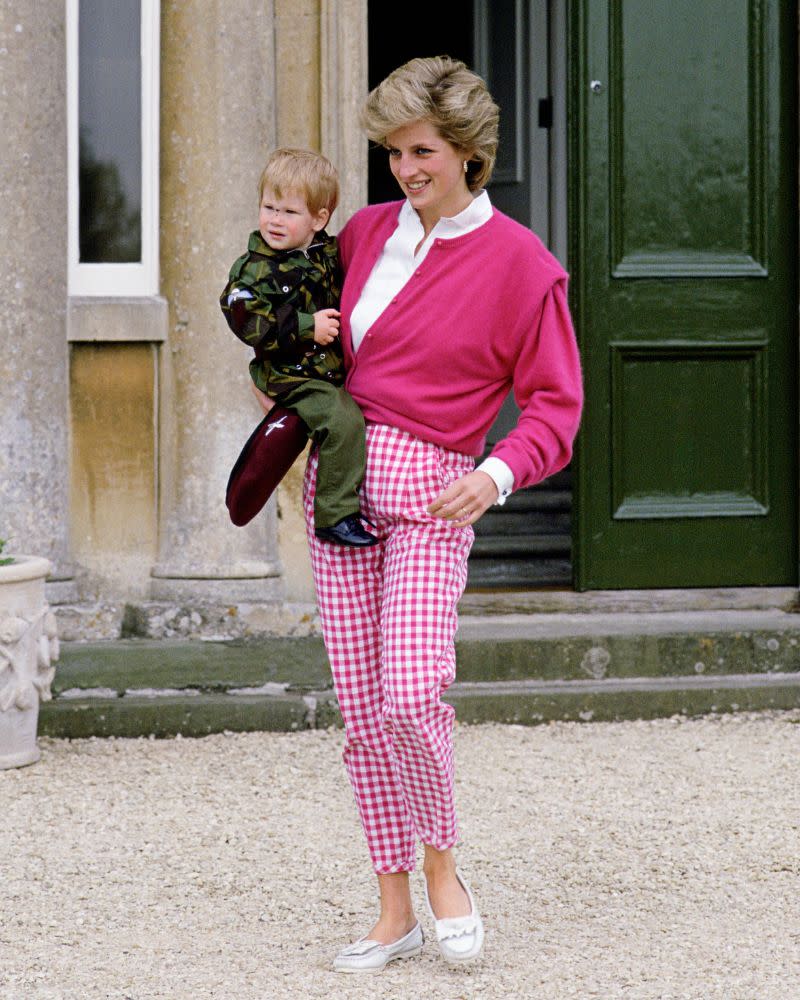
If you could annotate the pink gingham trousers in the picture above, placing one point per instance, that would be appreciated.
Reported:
(388, 616)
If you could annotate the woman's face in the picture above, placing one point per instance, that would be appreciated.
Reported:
(430, 171)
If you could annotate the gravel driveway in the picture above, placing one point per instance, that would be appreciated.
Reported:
(646, 860)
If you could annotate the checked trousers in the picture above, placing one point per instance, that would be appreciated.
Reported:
(388, 616)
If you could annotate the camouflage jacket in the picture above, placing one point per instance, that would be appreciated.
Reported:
(269, 303)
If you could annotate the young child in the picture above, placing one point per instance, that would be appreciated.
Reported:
(281, 299)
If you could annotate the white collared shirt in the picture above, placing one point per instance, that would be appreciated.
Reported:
(396, 264)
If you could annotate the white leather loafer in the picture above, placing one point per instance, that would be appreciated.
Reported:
(372, 956)
(460, 938)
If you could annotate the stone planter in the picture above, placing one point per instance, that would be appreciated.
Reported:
(28, 649)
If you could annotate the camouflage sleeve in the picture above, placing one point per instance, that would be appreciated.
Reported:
(258, 373)
(264, 321)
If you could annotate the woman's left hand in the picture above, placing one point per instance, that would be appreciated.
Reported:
(465, 500)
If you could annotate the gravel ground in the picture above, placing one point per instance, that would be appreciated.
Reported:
(646, 860)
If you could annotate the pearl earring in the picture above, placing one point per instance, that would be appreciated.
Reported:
(465, 166)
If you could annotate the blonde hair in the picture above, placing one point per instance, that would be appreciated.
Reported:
(302, 172)
(446, 93)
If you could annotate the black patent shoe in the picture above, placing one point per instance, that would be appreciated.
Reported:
(348, 531)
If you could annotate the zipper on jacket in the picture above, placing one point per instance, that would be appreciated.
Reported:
(312, 246)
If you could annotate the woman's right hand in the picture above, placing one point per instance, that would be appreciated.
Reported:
(263, 399)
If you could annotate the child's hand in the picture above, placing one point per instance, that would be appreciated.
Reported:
(264, 401)
(326, 325)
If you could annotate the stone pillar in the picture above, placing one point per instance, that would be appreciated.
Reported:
(34, 480)
(321, 59)
(217, 125)
(297, 123)
(344, 88)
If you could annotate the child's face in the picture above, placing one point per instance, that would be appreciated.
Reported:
(286, 223)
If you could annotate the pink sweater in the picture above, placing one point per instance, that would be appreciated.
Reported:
(483, 312)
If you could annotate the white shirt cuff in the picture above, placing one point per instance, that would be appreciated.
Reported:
(501, 474)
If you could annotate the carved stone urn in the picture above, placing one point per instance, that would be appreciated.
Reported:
(28, 649)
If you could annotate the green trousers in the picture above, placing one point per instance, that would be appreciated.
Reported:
(336, 425)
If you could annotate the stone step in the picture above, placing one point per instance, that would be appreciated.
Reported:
(529, 522)
(271, 708)
(565, 600)
(512, 667)
(570, 646)
(490, 647)
(533, 702)
(519, 572)
(516, 547)
(128, 665)
(538, 498)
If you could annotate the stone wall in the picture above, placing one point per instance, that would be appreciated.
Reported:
(113, 477)
(34, 512)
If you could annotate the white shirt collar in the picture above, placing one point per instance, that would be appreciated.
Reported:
(475, 214)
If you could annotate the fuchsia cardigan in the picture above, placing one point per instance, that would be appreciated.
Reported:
(483, 312)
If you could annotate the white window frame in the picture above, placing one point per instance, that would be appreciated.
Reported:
(116, 280)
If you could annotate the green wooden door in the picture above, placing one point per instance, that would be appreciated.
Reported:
(684, 237)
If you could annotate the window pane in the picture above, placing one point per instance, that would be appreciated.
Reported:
(110, 132)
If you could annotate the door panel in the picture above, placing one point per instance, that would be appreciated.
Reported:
(685, 210)
(687, 150)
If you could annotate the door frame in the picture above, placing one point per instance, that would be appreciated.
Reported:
(576, 228)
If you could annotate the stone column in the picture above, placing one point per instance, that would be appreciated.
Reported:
(344, 89)
(217, 125)
(321, 61)
(34, 481)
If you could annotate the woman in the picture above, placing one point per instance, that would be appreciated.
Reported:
(446, 305)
